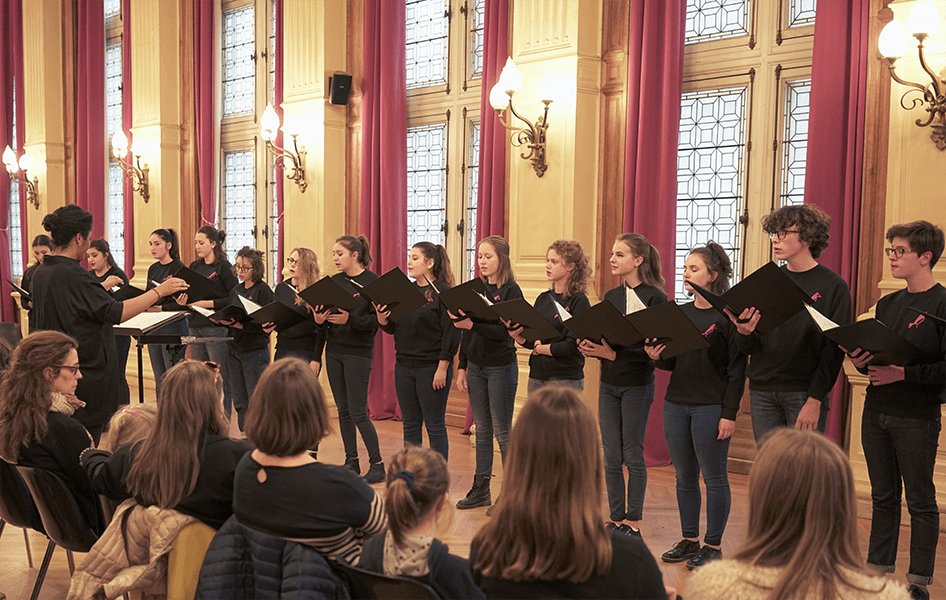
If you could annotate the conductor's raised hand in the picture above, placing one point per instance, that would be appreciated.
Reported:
(654, 352)
(339, 318)
(383, 314)
(172, 285)
(746, 321)
(111, 281)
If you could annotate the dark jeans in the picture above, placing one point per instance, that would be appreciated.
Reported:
(161, 358)
(535, 384)
(780, 409)
(691, 431)
(421, 405)
(622, 413)
(123, 345)
(348, 377)
(493, 398)
(246, 367)
(303, 355)
(901, 454)
(216, 352)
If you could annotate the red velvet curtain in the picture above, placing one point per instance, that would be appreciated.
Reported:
(384, 171)
(836, 141)
(280, 178)
(204, 57)
(128, 194)
(11, 28)
(90, 113)
(655, 83)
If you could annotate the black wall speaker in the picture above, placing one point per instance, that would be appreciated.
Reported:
(339, 86)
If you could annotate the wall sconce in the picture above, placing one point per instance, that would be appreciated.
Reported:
(134, 170)
(14, 168)
(532, 135)
(268, 125)
(922, 22)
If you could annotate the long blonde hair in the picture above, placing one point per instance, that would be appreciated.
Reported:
(549, 525)
(501, 246)
(307, 270)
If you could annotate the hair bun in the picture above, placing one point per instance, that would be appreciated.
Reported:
(50, 221)
(221, 235)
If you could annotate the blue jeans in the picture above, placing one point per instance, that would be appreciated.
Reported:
(780, 409)
(348, 377)
(246, 367)
(691, 431)
(535, 384)
(493, 398)
(216, 352)
(901, 454)
(161, 358)
(622, 413)
(421, 404)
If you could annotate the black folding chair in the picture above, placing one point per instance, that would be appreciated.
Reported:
(16, 506)
(367, 585)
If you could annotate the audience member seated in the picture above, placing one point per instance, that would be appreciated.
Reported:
(280, 488)
(187, 462)
(802, 537)
(36, 427)
(547, 537)
(416, 496)
(129, 424)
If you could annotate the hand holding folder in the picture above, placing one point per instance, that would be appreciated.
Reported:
(667, 325)
(604, 322)
(519, 313)
(469, 300)
(199, 287)
(23, 293)
(327, 294)
(885, 346)
(395, 292)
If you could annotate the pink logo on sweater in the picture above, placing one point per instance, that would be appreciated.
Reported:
(816, 296)
(711, 329)
(916, 323)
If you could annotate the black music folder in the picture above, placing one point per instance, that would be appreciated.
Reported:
(669, 325)
(768, 289)
(281, 314)
(126, 292)
(887, 346)
(534, 326)
(604, 321)
(330, 295)
(396, 291)
(227, 313)
(471, 298)
(23, 293)
(199, 287)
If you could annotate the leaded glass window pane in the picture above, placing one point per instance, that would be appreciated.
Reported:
(16, 232)
(274, 232)
(477, 23)
(426, 184)
(239, 66)
(113, 8)
(795, 142)
(710, 163)
(239, 184)
(427, 28)
(113, 89)
(472, 195)
(714, 19)
(115, 232)
(272, 54)
(801, 12)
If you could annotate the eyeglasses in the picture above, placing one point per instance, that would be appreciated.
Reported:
(73, 368)
(898, 252)
(780, 235)
(242, 268)
(291, 261)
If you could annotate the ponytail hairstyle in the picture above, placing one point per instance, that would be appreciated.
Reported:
(64, 223)
(417, 482)
(441, 270)
(573, 254)
(307, 270)
(255, 258)
(357, 244)
(504, 274)
(169, 236)
(717, 262)
(217, 236)
(649, 271)
(102, 246)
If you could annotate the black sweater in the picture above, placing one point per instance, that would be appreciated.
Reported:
(427, 335)
(111, 271)
(356, 337)
(303, 337)
(796, 356)
(449, 575)
(713, 375)
(566, 361)
(923, 388)
(486, 344)
(251, 336)
(158, 273)
(631, 367)
(221, 272)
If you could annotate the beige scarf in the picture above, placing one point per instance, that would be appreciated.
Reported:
(411, 559)
(65, 403)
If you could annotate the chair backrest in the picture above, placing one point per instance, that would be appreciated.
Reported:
(367, 585)
(185, 559)
(64, 522)
(16, 505)
(12, 333)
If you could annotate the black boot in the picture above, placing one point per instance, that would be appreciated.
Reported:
(478, 494)
(352, 463)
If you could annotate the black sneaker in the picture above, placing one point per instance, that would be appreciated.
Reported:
(681, 551)
(375, 473)
(352, 463)
(610, 525)
(918, 592)
(705, 555)
(635, 533)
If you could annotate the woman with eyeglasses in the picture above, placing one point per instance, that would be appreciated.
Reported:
(305, 340)
(37, 401)
(187, 462)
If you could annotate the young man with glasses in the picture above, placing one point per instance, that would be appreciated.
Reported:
(793, 367)
(901, 422)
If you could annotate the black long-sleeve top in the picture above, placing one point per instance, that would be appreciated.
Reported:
(251, 336)
(356, 337)
(158, 273)
(221, 273)
(487, 344)
(211, 500)
(631, 367)
(713, 375)
(427, 335)
(25, 283)
(923, 389)
(566, 361)
(303, 337)
(796, 356)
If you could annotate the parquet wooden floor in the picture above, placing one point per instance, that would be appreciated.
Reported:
(660, 526)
